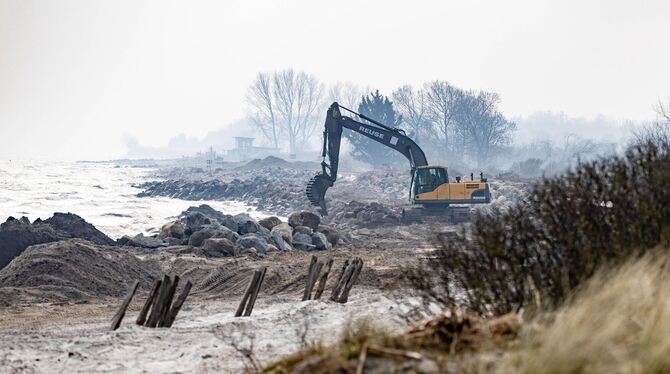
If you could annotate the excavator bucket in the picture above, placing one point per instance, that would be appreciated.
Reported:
(316, 191)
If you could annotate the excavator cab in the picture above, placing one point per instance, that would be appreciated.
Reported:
(431, 186)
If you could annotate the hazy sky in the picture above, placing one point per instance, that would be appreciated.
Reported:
(76, 77)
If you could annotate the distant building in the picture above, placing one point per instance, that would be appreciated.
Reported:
(245, 150)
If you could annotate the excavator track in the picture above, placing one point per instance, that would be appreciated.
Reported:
(450, 215)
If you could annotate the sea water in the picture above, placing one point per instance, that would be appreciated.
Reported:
(101, 193)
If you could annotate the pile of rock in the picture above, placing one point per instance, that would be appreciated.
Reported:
(17, 234)
(214, 234)
(267, 194)
(355, 214)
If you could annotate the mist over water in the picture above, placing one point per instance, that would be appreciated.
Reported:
(100, 193)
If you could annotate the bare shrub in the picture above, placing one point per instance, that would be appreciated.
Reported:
(536, 253)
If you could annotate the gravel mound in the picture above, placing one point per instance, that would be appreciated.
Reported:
(74, 270)
(17, 234)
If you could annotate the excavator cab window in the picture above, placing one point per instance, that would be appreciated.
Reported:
(428, 179)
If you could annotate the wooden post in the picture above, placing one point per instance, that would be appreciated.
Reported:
(323, 279)
(176, 307)
(343, 281)
(350, 283)
(116, 321)
(312, 263)
(333, 293)
(315, 277)
(142, 317)
(156, 306)
(168, 301)
(247, 293)
(254, 294)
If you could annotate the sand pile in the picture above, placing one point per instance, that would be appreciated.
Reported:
(72, 270)
(18, 234)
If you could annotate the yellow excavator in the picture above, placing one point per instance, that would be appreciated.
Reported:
(431, 191)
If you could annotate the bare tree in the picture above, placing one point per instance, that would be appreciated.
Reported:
(483, 125)
(413, 107)
(346, 93)
(442, 101)
(657, 132)
(260, 98)
(298, 96)
(284, 103)
(663, 112)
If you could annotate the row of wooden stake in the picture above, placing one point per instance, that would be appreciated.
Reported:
(158, 310)
(319, 272)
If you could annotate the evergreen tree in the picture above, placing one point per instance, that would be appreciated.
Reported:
(379, 108)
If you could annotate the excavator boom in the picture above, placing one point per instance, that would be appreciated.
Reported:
(332, 135)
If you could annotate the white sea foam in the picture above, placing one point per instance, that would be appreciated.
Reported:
(100, 193)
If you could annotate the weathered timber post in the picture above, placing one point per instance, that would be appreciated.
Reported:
(176, 307)
(168, 301)
(350, 283)
(343, 281)
(247, 293)
(323, 279)
(312, 264)
(254, 294)
(142, 317)
(156, 306)
(116, 321)
(315, 276)
(339, 279)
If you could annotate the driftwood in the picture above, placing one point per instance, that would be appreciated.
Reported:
(358, 265)
(118, 317)
(156, 306)
(247, 293)
(142, 317)
(323, 278)
(176, 307)
(254, 294)
(335, 292)
(165, 307)
(361, 358)
(312, 264)
(394, 352)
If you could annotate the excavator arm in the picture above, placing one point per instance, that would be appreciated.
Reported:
(332, 135)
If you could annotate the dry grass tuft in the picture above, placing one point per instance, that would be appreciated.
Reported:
(618, 323)
(457, 332)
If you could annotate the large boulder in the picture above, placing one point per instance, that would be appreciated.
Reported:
(219, 231)
(280, 242)
(302, 241)
(194, 220)
(198, 238)
(246, 224)
(331, 234)
(216, 247)
(172, 230)
(320, 241)
(195, 216)
(269, 222)
(253, 241)
(304, 218)
(141, 241)
(303, 230)
(285, 231)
